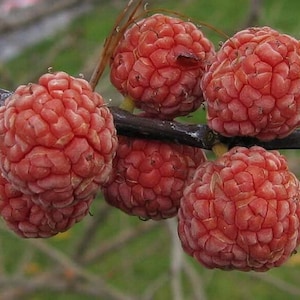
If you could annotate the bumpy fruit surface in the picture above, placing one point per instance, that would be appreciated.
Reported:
(30, 220)
(159, 64)
(239, 212)
(57, 140)
(252, 87)
(149, 177)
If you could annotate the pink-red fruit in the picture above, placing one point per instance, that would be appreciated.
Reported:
(239, 212)
(30, 220)
(57, 140)
(159, 64)
(149, 176)
(252, 86)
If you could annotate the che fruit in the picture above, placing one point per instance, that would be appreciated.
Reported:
(252, 86)
(159, 64)
(29, 220)
(57, 140)
(240, 211)
(149, 177)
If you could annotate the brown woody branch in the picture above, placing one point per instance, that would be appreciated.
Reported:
(197, 135)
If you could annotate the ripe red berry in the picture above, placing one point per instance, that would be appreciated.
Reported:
(29, 220)
(239, 212)
(252, 86)
(57, 140)
(159, 64)
(149, 177)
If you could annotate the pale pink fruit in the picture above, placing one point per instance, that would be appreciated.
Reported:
(57, 140)
(149, 177)
(30, 220)
(159, 64)
(239, 212)
(252, 87)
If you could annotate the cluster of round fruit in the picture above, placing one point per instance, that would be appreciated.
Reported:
(240, 211)
(58, 144)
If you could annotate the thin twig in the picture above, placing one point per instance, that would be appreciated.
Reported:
(254, 12)
(155, 285)
(122, 238)
(2, 257)
(176, 263)
(78, 272)
(25, 259)
(122, 22)
(91, 230)
(277, 283)
(195, 280)
(52, 281)
(71, 265)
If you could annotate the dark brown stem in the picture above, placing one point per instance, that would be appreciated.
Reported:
(197, 135)
(122, 22)
(135, 126)
(3, 95)
(255, 7)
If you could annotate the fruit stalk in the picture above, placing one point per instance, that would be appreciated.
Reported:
(197, 135)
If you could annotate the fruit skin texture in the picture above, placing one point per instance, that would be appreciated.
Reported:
(159, 64)
(252, 86)
(29, 220)
(57, 140)
(149, 177)
(239, 212)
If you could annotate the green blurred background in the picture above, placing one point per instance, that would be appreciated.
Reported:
(110, 255)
